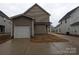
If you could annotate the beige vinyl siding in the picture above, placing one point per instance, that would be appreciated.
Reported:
(38, 14)
(40, 29)
(22, 21)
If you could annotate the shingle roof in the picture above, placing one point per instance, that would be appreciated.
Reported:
(76, 23)
(3, 15)
(68, 14)
(19, 16)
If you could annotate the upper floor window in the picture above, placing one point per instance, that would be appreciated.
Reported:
(65, 20)
(61, 22)
(4, 19)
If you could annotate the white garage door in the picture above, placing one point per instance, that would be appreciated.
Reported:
(22, 32)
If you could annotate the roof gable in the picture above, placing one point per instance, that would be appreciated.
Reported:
(74, 24)
(38, 7)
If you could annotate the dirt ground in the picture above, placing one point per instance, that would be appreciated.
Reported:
(27, 47)
(36, 38)
(4, 38)
(47, 38)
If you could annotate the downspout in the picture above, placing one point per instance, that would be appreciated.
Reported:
(12, 29)
(32, 28)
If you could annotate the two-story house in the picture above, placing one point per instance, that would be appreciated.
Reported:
(32, 22)
(5, 24)
(57, 29)
(69, 24)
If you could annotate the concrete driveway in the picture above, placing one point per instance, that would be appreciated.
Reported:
(26, 47)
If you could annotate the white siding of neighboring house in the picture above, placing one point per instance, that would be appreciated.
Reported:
(66, 27)
(75, 30)
(2, 21)
(52, 28)
(57, 29)
(7, 23)
(75, 16)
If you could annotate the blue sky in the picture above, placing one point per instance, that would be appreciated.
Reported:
(55, 8)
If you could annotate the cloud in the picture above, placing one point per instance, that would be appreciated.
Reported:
(57, 10)
(39, 1)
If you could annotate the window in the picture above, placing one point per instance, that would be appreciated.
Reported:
(65, 20)
(61, 22)
(75, 31)
(4, 19)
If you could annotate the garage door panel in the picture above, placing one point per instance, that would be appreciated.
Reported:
(22, 32)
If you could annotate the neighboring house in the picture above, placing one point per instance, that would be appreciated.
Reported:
(52, 28)
(57, 29)
(69, 24)
(5, 24)
(75, 28)
(32, 22)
